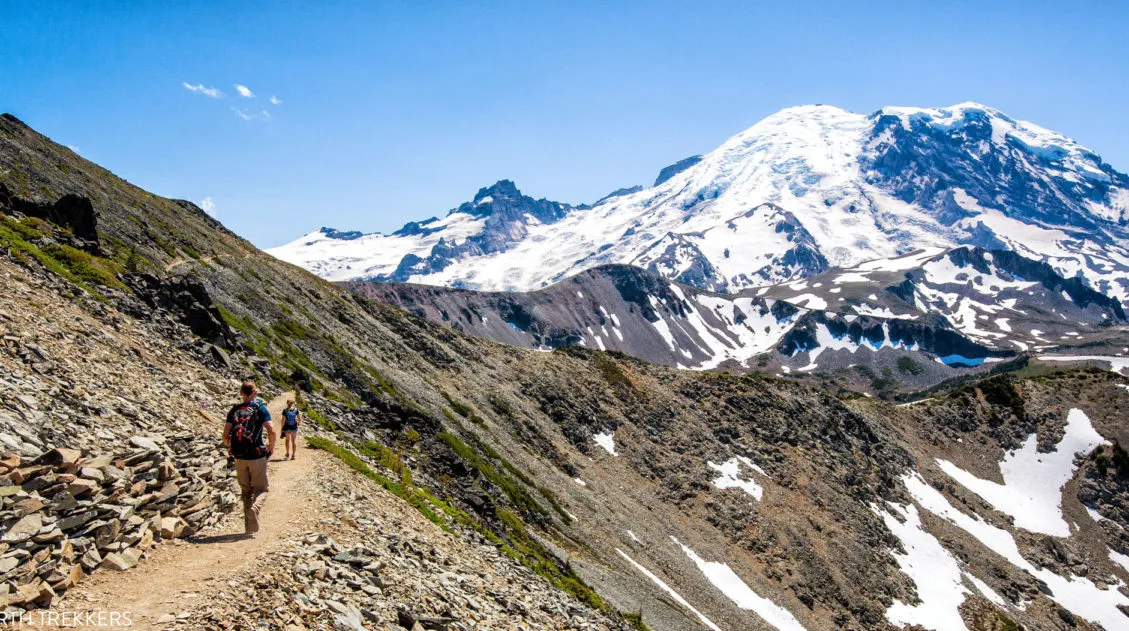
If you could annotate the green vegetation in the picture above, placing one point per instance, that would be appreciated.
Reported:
(1120, 460)
(134, 262)
(635, 619)
(501, 406)
(999, 390)
(86, 267)
(388, 458)
(239, 323)
(464, 410)
(316, 417)
(518, 496)
(79, 267)
(291, 329)
(613, 373)
(907, 365)
(417, 498)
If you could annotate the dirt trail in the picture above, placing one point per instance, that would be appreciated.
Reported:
(174, 576)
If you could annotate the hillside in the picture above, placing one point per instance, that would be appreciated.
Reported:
(586, 483)
(805, 190)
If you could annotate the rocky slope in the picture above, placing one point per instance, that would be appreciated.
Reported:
(695, 499)
(629, 310)
(806, 189)
(927, 317)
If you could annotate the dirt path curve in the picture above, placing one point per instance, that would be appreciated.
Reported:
(174, 576)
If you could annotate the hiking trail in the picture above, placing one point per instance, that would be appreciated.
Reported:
(176, 575)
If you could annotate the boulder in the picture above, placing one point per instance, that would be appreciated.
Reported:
(172, 527)
(107, 533)
(82, 486)
(24, 529)
(91, 560)
(66, 459)
(143, 442)
(118, 561)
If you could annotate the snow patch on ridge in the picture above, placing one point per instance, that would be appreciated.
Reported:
(725, 579)
(1077, 594)
(669, 590)
(1033, 481)
(605, 440)
(1116, 364)
(933, 570)
(730, 477)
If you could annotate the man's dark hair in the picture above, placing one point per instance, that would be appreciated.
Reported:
(248, 388)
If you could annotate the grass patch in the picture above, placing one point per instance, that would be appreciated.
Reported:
(78, 267)
(291, 329)
(241, 323)
(417, 498)
(532, 555)
(388, 458)
(87, 267)
(518, 497)
(635, 619)
(317, 417)
(464, 410)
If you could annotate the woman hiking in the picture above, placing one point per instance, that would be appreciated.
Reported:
(291, 419)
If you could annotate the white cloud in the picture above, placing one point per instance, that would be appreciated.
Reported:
(241, 114)
(244, 91)
(266, 115)
(200, 89)
(274, 100)
(74, 149)
(208, 206)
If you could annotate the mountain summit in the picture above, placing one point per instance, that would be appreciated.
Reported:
(805, 189)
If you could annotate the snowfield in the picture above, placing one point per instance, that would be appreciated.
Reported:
(800, 191)
(1033, 481)
(725, 579)
(1077, 594)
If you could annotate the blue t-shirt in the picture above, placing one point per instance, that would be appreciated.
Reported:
(290, 418)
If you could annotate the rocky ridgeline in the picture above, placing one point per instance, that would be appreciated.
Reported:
(66, 514)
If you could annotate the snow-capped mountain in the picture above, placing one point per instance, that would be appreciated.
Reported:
(804, 190)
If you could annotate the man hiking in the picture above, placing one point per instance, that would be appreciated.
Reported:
(291, 419)
(243, 434)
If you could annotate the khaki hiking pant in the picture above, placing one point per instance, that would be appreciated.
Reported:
(252, 476)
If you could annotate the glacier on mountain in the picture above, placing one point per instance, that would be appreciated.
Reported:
(804, 190)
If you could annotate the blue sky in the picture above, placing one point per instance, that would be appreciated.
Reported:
(397, 111)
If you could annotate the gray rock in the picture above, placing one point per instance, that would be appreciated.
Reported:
(142, 442)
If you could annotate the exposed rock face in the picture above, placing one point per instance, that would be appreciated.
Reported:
(678, 167)
(70, 211)
(504, 212)
(921, 159)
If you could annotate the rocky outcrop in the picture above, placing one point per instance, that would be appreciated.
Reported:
(668, 172)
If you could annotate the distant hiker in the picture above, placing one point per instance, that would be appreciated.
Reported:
(291, 419)
(243, 434)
